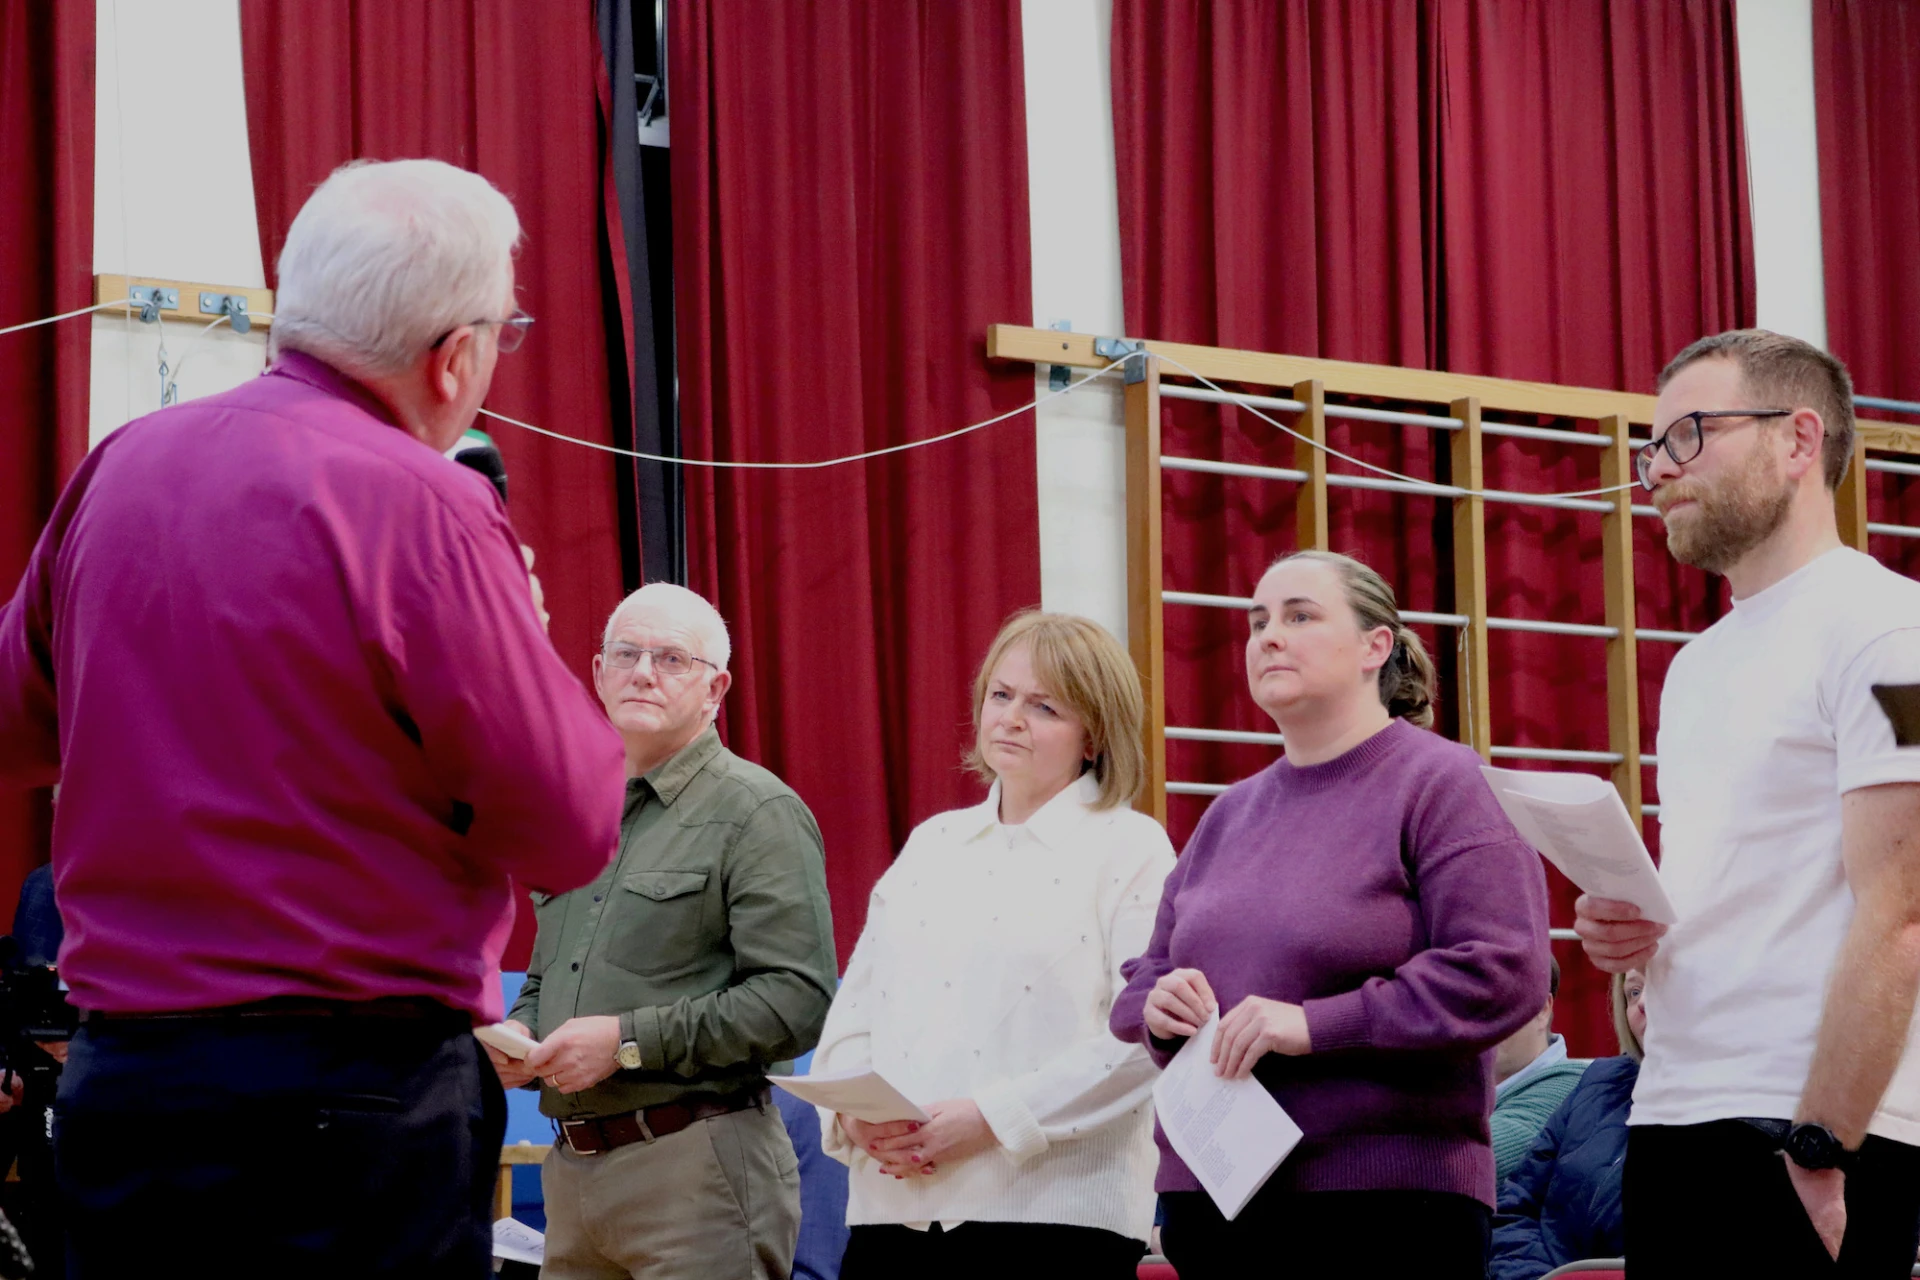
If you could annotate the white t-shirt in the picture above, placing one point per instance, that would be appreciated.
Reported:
(1766, 721)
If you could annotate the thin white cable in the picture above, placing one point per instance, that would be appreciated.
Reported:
(825, 462)
(173, 379)
(1071, 387)
(1332, 452)
(67, 315)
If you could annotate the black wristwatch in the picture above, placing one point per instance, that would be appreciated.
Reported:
(1814, 1146)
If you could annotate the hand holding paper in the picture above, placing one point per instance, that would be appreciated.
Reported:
(1231, 1133)
(508, 1044)
(1615, 936)
(861, 1093)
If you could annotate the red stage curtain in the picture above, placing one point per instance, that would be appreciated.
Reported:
(849, 214)
(511, 92)
(1550, 191)
(1867, 100)
(46, 228)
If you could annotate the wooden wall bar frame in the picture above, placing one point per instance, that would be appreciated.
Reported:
(1310, 511)
(112, 288)
(1468, 397)
(1623, 650)
(1146, 630)
(1850, 501)
(1473, 685)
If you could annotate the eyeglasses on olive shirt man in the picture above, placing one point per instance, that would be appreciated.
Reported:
(663, 991)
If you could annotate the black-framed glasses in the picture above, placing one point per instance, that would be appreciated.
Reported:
(669, 660)
(513, 330)
(1686, 436)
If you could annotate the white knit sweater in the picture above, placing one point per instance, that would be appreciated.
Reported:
(986, 969)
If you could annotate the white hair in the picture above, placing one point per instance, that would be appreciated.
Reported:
(688, 607)
(386, 256)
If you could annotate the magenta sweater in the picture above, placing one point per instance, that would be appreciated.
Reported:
(1387, 893)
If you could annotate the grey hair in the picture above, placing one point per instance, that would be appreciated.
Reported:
(687, 606)
(385, 257)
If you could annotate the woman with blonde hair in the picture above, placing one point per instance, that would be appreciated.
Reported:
(1367, 926)
(982, 980)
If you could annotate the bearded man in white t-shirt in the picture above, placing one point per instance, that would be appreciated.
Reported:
(1776, 1122)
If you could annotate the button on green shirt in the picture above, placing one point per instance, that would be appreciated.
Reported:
(709, 935)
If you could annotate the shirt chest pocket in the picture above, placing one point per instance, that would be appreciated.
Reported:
(656, 922)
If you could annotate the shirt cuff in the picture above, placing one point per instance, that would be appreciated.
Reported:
(645, 1028)
(1338, 1022)
(1011, 1120)
(834, 1142)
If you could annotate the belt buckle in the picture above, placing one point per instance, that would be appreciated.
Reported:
(566, 1135)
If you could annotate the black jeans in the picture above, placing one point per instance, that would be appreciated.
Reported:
(287, 1147)
(1715, 1199)
(1354, 1235)
(1000, 1250)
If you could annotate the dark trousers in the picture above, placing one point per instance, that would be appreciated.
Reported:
(1354, 1235)
(286, 1147)
(1715, 1199)
(1000, 1250)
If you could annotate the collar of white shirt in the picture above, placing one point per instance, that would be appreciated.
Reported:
(1052, 826)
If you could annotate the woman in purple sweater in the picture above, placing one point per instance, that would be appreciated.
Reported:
(1369, 926)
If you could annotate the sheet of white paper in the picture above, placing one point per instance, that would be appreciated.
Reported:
(1231, 1133)
(504, 1038)
(1578, 823)
(515, 1241)
(862, 1094)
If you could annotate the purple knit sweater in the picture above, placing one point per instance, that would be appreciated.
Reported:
(1387, 893)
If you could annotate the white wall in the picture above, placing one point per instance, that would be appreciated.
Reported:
(173, 194)
(1783, 166)
(1076, 276)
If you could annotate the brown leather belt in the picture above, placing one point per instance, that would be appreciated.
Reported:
(602, 1134)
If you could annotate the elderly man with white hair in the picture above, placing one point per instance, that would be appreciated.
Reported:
(283, 658)
(664, 990)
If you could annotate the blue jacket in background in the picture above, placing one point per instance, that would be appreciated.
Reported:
(1563, 1202)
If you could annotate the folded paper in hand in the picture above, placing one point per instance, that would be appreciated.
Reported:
(1231, 1133)
(504, 1038)
(862, 1094)
(515, 1241)
(1579, 824)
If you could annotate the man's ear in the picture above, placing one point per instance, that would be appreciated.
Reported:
(450, 362)
(1808, 451)
(717, 689)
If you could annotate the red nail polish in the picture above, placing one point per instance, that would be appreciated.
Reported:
(914, 1127)
(916, 1159)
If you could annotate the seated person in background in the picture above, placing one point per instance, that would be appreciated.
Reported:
(1533, 1077)
(1563, 1202)
(981, 984)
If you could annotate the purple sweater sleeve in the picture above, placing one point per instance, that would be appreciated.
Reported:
(1483, 898)
(1127, 1019)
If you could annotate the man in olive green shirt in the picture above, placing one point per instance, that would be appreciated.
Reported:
(663, 991)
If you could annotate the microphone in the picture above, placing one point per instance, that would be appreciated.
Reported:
(475, 449)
